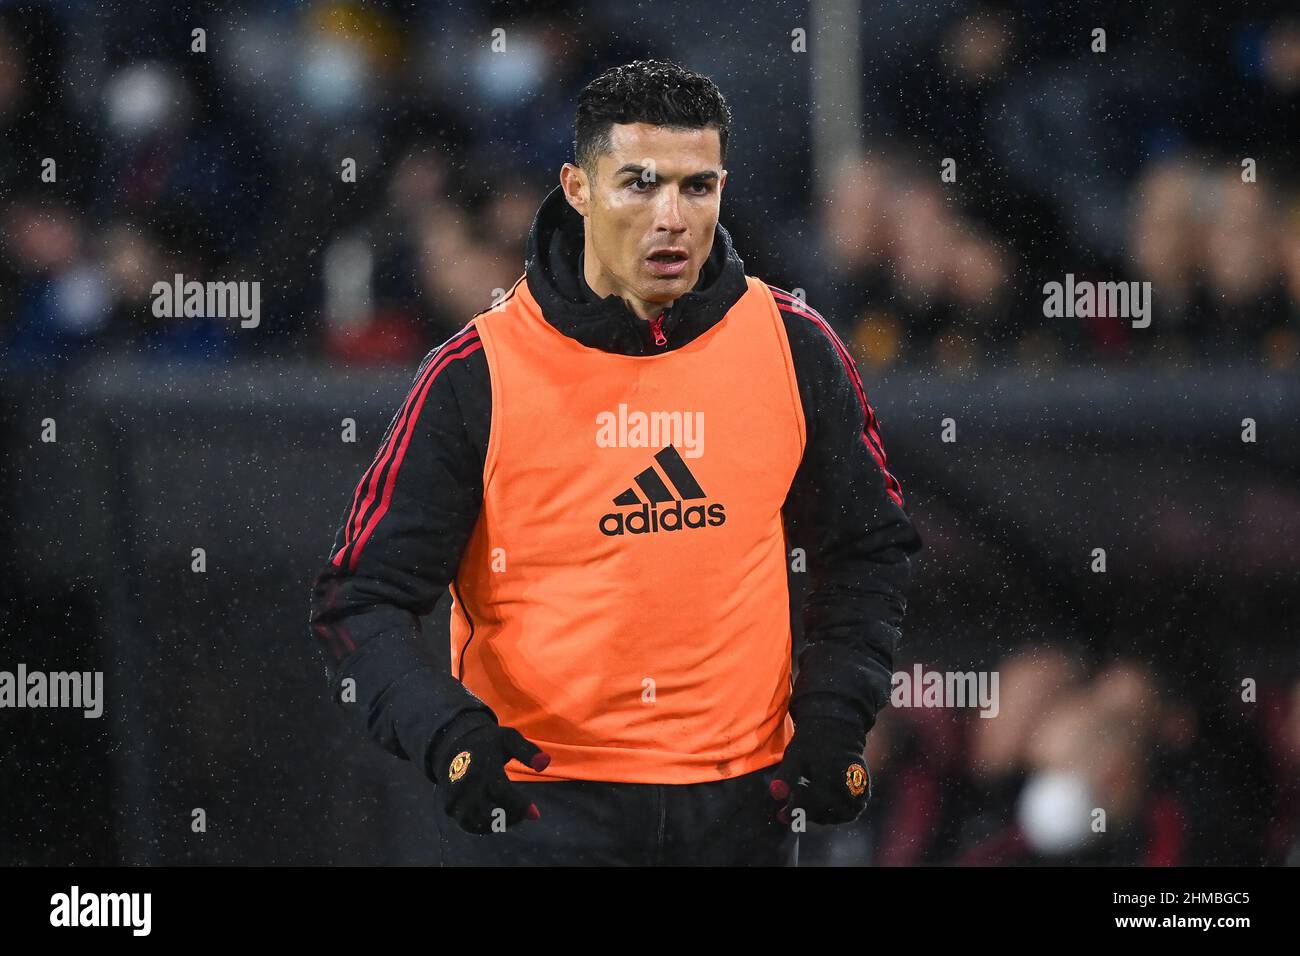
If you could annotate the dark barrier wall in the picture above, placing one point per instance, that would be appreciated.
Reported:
(216, 695)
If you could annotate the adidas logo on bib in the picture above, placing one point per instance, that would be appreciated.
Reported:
(652, 517)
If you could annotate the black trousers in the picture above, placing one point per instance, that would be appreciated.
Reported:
(590, 823)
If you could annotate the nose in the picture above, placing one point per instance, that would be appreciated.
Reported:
(668, 213)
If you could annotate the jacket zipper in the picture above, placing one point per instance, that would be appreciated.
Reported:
(657, 327)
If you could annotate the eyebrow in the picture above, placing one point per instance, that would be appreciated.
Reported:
(637, 169)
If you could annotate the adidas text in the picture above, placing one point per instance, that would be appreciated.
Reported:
(650, 519)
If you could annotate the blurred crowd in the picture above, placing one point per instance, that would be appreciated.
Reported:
(1177, 781)
(1222, 257)
(222, 158)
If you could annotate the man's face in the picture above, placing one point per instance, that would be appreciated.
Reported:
(651, 209)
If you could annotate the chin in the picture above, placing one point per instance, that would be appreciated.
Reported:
(666, 293)
(658, 296)
(668, 289)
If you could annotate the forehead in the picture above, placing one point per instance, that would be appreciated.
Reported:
(698, 149)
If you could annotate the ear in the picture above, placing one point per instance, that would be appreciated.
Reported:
(576, 188)
(723, 181)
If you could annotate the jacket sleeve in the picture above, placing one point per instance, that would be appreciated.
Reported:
(399, 546)
(846, 511)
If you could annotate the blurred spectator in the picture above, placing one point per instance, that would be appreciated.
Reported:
(1090, 794)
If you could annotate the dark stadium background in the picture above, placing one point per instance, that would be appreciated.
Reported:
(1071, 434)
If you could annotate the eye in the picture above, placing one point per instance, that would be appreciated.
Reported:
(639, 182)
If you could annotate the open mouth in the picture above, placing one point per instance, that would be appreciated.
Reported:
(669, 262)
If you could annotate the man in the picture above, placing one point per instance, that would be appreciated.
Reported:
(609, 469)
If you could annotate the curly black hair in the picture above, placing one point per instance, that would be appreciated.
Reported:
(646, 91)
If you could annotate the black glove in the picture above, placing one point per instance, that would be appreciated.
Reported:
(823, 771)
(468, 768)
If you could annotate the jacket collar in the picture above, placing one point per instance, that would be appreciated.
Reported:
(555, 244)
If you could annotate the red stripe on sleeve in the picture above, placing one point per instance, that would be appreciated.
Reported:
(390, 456)
(871, 432)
